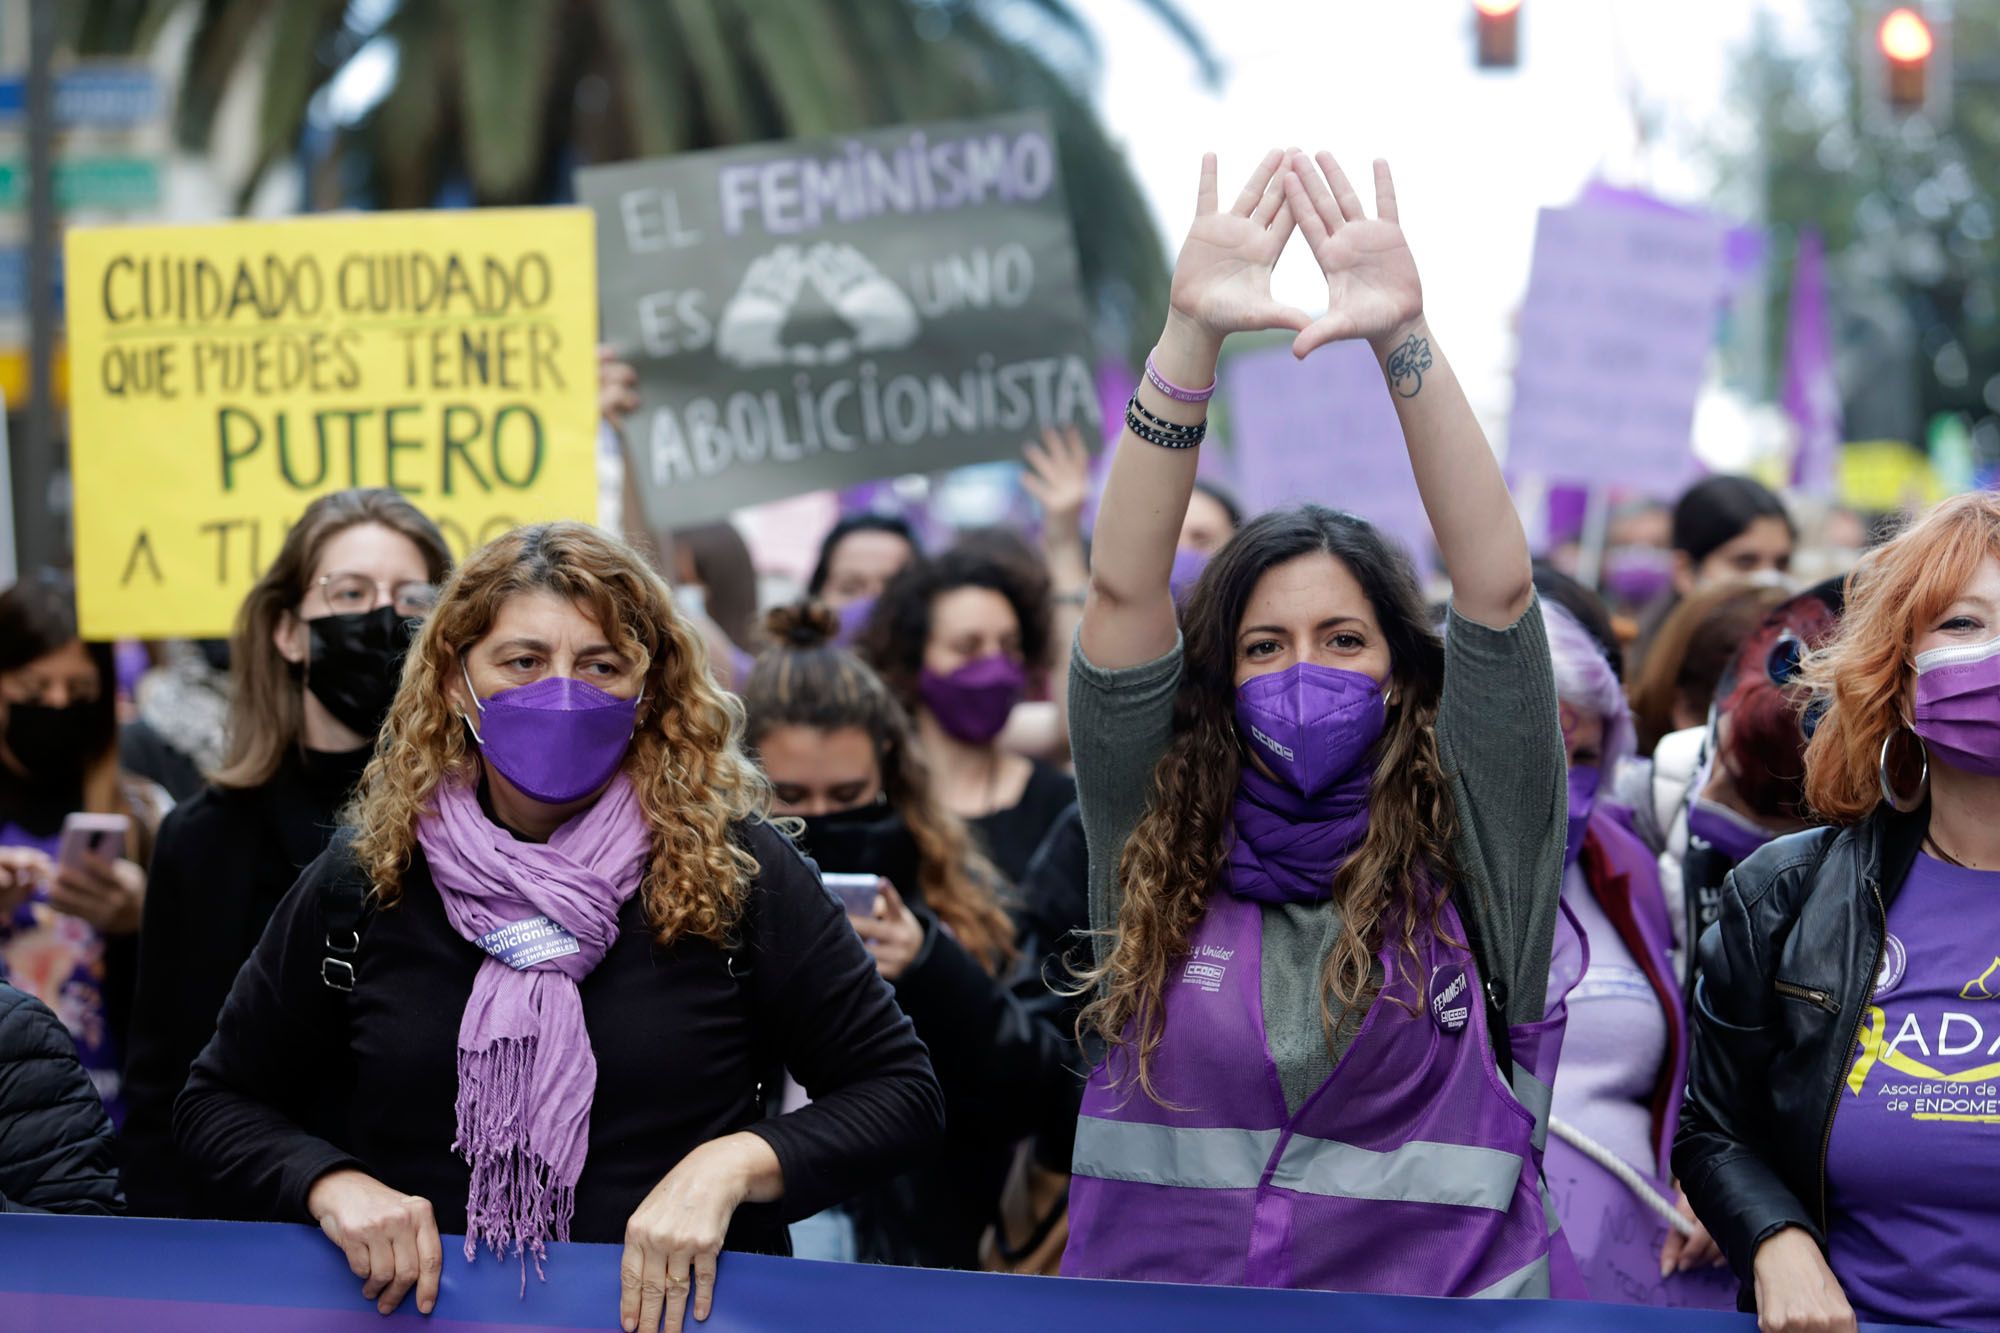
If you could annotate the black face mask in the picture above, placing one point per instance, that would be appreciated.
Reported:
(356, 663)
(868, 840)
(58, 743)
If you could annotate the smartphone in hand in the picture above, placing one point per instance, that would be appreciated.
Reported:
(856, 893)
(97, 835)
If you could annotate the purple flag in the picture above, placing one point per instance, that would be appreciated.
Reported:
(1812, 391)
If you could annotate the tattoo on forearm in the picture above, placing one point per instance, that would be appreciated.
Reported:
(1407, 365)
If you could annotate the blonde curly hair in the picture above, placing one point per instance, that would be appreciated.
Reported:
(686, 760)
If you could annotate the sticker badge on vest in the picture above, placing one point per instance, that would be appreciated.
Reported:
(1451, 998)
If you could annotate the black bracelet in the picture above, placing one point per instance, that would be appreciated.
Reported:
(1160, 423)
(1161, 438)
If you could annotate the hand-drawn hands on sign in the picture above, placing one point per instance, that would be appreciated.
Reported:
(874, 313)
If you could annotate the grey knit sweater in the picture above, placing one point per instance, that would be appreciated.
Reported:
(1501, 743)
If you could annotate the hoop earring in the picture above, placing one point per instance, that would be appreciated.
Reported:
(1903, 805)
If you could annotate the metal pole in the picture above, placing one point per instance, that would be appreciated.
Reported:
(37, 465)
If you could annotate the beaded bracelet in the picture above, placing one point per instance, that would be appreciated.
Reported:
(1173, 390)
(1160, 423)
(1185, 438)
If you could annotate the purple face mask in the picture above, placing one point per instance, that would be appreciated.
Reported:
(1187, 570)
(1725, 830)
(1958, 705)
(972, 703)
(1583, 784)
(1310, 724)
(1635, 575)
(853, 620)
(557, 740)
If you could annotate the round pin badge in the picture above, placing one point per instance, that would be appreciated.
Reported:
(1895, 962)
(1451, 998)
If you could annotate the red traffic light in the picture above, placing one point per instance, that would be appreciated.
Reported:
(1499, 34)
(1906, 42)
(1905, 37)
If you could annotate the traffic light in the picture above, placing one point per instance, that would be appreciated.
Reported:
(1498, 24)
(1906, 43)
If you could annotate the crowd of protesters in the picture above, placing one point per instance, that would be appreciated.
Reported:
(1192, 899)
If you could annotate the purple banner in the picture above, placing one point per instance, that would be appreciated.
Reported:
(1324, 430)
(1614, 341)
(70, 1273)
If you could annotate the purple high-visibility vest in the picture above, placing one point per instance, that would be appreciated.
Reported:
(1616, 1238)
(1413, 1170)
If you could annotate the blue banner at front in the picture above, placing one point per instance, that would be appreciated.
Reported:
(78, 1273)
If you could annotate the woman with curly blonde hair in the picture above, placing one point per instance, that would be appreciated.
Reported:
(1325, 849)
(1839, 1136)
(584, 947)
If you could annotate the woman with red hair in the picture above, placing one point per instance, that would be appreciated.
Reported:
(1840, 1134)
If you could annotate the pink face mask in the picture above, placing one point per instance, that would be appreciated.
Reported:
(1958, 706)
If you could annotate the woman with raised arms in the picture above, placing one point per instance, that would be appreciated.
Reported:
(1325, 847)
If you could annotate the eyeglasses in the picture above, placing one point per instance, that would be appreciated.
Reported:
(347, 593)
(1784, 665)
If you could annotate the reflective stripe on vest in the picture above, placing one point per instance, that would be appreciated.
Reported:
(1457, 1174)
(1529, 1282)
(1196, 1159)
(1537, 1098)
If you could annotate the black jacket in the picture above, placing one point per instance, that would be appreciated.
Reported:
(224, 862)
(55, 1139)
(1786, 976)
(681, 1033)
(1004, 1070)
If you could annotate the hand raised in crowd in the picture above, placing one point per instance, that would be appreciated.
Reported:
(1796, 1291)
(110, 895)
(390, 1238)
(1372, 290)
(617, 387)
(1222, 278)
(1058, 476)
(22, 870)
(893, 936)
(672, 1240)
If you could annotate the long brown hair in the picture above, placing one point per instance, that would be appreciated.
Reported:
(686, 759)
(805, 681)
(1864, 673)
(1179, 851)
(1693, 648)
(266, 708)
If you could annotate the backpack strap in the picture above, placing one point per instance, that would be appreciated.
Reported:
(344, 911)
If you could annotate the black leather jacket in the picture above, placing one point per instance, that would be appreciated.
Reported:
(1786, 977)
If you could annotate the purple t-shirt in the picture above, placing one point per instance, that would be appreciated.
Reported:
(1915, 1155)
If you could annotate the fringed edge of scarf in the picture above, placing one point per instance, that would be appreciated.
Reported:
(514, 1201)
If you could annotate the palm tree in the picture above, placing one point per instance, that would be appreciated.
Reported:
(502, 99)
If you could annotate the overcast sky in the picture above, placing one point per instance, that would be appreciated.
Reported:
(1475, 153)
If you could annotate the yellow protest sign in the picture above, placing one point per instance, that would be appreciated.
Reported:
(223, 376)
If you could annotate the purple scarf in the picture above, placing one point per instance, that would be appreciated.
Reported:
(1287, 847)
(545, 914)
